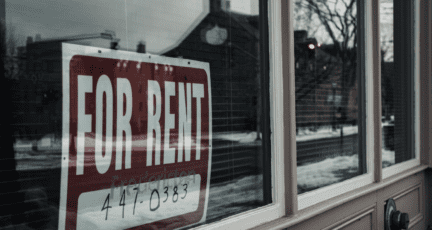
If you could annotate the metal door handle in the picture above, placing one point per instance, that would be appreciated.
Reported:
(394, 219)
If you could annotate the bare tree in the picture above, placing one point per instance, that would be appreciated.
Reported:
(14, 65)
(338, 19)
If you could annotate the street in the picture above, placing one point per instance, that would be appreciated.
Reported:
(319, 149)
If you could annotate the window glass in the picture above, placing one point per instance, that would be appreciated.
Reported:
(327, 101)
(396, 84)
(45, 84)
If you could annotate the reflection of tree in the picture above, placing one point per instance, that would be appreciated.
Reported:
(338, 18)
(13, 64)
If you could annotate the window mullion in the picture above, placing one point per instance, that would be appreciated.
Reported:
(288, 67)
(376, 83)
(425, 92)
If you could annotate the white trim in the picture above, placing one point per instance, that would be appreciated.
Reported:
(275, 210)
(369, 84)
(400, 167)
(417, 79)
(66, 57)
(316, 196)
(245, 220)
(277, 104)
(308, 199)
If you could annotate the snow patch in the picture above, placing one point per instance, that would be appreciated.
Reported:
(240, 137)
(305, 134)
(325, 172)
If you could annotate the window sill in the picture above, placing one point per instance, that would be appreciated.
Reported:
(246, 220)
(322, 207)
(400, 167)
(323, 194)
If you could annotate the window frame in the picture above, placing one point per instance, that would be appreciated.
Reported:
(372, 71)
(278, 136)
(415, 71)
(423, 100)
(364, 71)
(285, 209)
(425, 87)
(297, 208)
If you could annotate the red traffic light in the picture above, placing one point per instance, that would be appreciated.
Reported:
(311, 46)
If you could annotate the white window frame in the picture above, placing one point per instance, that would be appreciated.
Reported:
(281, 152)
(275, 210)
(316, 196)
(322, 194)
(403, 166)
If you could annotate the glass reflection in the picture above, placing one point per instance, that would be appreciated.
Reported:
(225, 34)
(397, 80)
(326, 93)
(387, 77)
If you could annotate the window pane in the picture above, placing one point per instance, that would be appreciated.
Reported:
(396, 83)
(327, 101)
(164, 39)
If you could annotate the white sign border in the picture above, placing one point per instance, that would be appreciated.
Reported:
(70, 50)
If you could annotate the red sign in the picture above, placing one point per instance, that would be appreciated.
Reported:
(136, 140)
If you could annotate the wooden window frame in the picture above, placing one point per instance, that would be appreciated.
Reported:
(366, 125)
(284, 211)
(423, 97)
(282, 85)
(425, 53)
(278, 136)
(413, 40)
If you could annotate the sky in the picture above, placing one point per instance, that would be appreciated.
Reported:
(161, 26)
(386, 29)
(245, 6)
(316, 29)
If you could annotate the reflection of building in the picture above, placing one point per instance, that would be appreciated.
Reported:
(387, 89)
(230, 43)
(319, 95)
(40, 84)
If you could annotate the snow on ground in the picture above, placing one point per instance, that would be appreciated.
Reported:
(325, 172)
(388, 157)
(310, 176)
(48, 142)
(240, 137)
(304, 134)
(234, 197)
(333, 170)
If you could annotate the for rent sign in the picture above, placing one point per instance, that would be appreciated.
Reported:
(136, 140)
